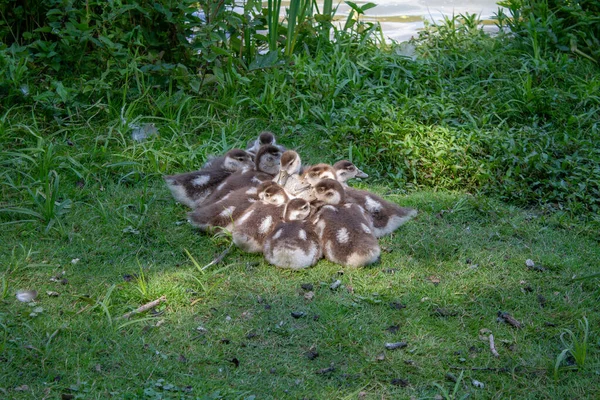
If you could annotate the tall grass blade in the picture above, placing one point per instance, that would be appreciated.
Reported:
(291, 27)
(273, 11)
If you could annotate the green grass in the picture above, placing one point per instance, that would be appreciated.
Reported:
(227, 332)
(493, 144)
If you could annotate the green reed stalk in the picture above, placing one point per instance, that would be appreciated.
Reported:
(328, 14)
(291, 31)
(273, 10)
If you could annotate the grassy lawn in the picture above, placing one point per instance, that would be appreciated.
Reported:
(494, 139)
(228, 331)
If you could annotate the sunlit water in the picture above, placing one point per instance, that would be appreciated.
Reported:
(402, 19)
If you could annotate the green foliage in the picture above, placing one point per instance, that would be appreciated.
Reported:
(573, 347)
(507, 115)
(545, 25)
(453, 395)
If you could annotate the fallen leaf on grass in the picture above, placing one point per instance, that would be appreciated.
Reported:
(309, 295)
(327, 370)
(542, 300)
(312, 354)
(434, 279)
(307, 286)
(399, 382)
(444, 312)
(397, 305)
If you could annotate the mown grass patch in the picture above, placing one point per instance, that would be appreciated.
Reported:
(229, 332)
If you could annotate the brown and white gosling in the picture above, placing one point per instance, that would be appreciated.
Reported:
(385, 215)
(344, 229)
(293, 243)
(288, 176)
(314, 173)
(255, 224)
(192, 188)
(228, 209)
(266, 167)
(264, 138)
(345, 170)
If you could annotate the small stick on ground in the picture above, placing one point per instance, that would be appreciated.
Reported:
(509, 318)
(493, 347)
(394, 346)
(219, 258)
(145, 307)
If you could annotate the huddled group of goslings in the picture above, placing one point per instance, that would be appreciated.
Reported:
(291, 213)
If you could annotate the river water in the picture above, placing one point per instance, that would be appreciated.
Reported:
(402, 19)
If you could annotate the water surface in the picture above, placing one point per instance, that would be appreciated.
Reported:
(402, 19)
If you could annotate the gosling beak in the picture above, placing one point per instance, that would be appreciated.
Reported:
(282, 177)
(361, 174)
(303, 188)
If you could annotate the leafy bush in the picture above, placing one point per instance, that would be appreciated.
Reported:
(467, 111)
(545, 25)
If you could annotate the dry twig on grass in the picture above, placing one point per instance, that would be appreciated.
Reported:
(493, 346)
(506, 317)
(145, 307)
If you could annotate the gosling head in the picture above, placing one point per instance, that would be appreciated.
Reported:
(290, 162)
(271, 193)
(267, 159)
(296, 210)
(329, 191)
(266, 137)
(345, 170)
(317, 172)
(236, 160)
